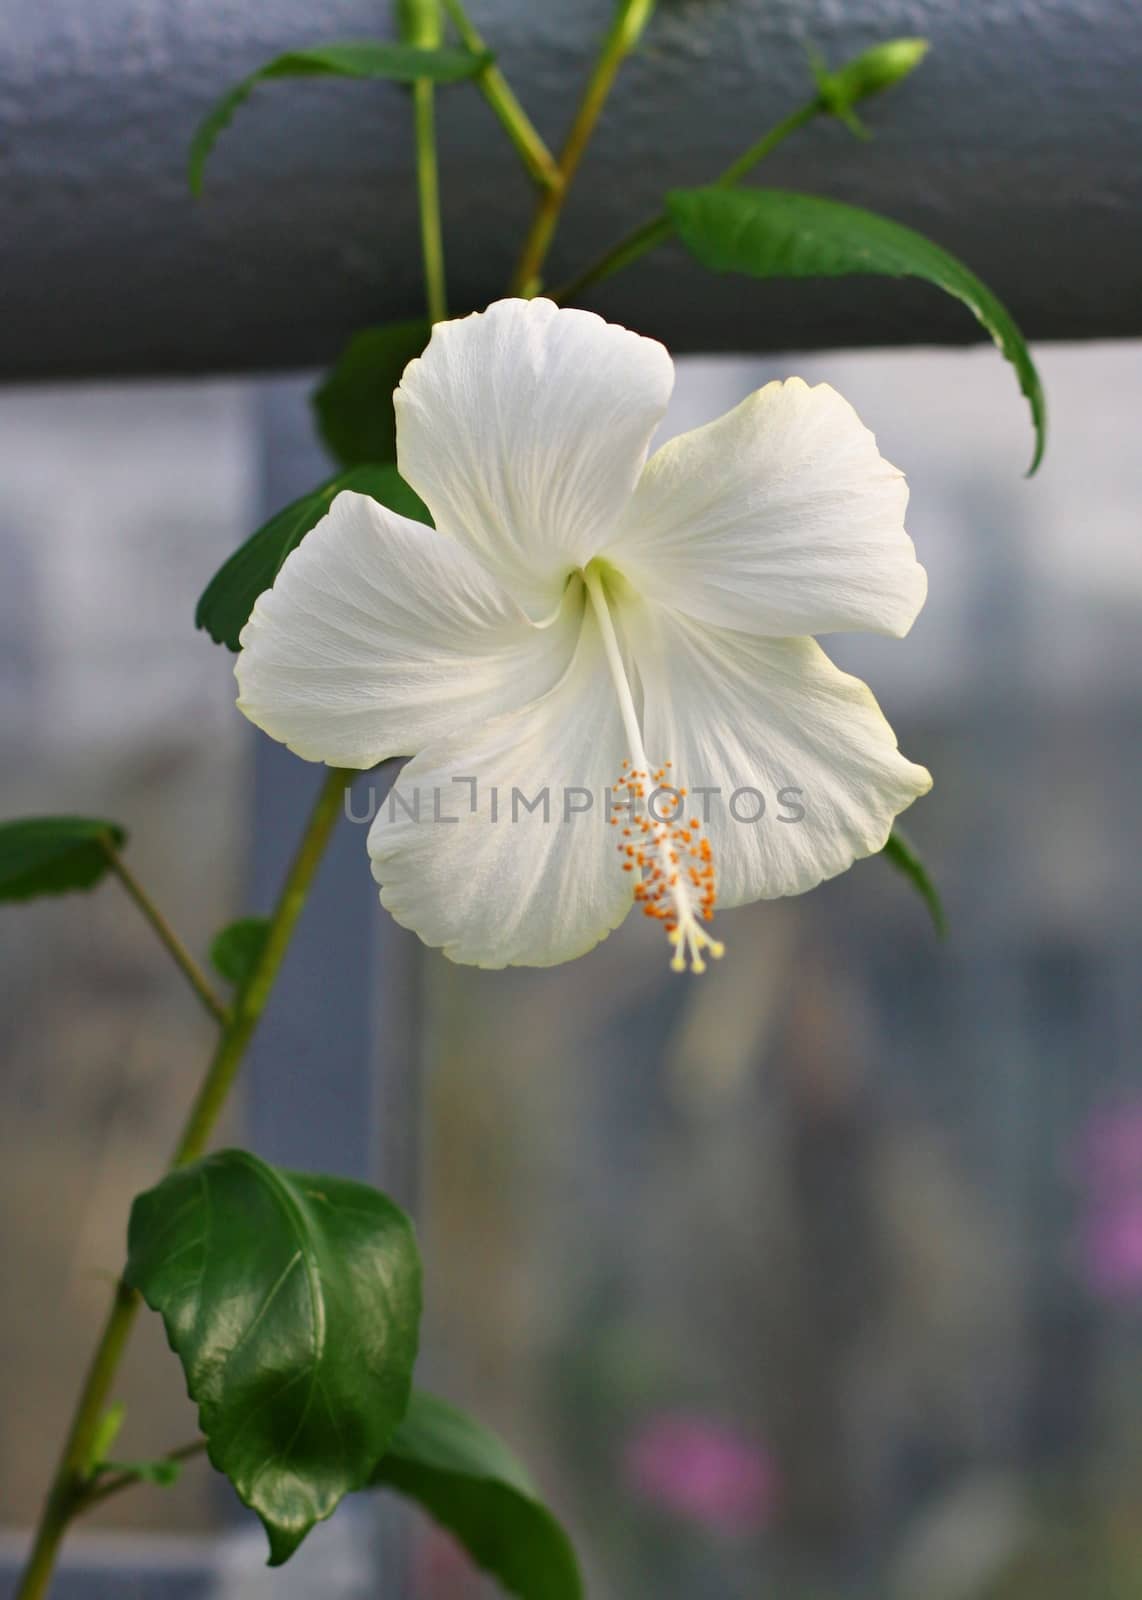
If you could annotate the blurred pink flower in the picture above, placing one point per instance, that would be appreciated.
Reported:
(1110, 1171)
(1112, 1250)
(701, 1470)
(441, 1569)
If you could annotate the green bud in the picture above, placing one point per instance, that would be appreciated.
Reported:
(869, 73)
(419, 23)
(106, 1434)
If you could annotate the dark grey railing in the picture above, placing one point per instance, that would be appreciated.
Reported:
(1016, 146)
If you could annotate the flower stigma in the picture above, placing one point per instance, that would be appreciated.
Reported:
(677, 884)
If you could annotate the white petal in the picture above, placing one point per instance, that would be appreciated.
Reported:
(524, 429)
(381, 634)
(502, 886)
(780, 518)
(765, 717)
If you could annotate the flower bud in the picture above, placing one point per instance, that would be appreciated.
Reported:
(870, 73)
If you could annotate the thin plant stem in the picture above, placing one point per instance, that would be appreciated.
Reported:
(520, 129)
(630, 19)
(428, 188)
(769, 141)
(648, 235)
(71, 1483)
(105, 1488)
(220, 1075)
(65, 1495)
(182, 957)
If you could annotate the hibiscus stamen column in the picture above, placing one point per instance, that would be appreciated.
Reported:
(677, 884)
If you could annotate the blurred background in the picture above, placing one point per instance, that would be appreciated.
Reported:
(819, 1278)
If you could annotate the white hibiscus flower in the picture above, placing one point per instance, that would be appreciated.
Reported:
(582, 623)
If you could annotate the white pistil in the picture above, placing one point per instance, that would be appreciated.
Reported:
(670, 885)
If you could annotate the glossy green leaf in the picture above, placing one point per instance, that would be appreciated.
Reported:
(469, 1482)
(369, 58)
(902, 854)
(236, 951)
(770, 233)
(54, 855)
(293, 1303)
(354, 403)
(229, 597)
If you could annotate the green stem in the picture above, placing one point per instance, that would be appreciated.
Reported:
(769, 141)
(220, 1075)
(428, 186)
(66, 1493)
(648, 235)
(71, 1484)
(107, 1487)
(630, 19)
(183, 959)
(520, 129)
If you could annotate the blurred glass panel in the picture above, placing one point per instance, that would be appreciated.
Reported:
(116, 505)
(820, 1276)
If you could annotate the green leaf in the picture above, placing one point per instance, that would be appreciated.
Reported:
(354, 403)
(237, 949)
(368, 59)
(770, 233)
(229, 597)
(902, 854)
(54, 855)
(164, 1473)
(293, 1303)
(470, 1483)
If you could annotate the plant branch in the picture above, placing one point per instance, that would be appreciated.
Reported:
(630, 19)
(220, 1075)
(520, 129)
(72, 1481)
(183, 959)
(428, 188)
(648, 235)
(105, 1488)
(65, 1496)
(769, 141)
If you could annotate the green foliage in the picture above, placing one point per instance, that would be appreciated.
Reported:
(354, 402)
(404, 63)
(902, 854)
(229, 597)
(771, 233)
(54, 855)
(470, 1483)
(293, 1304)
(236, 950)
